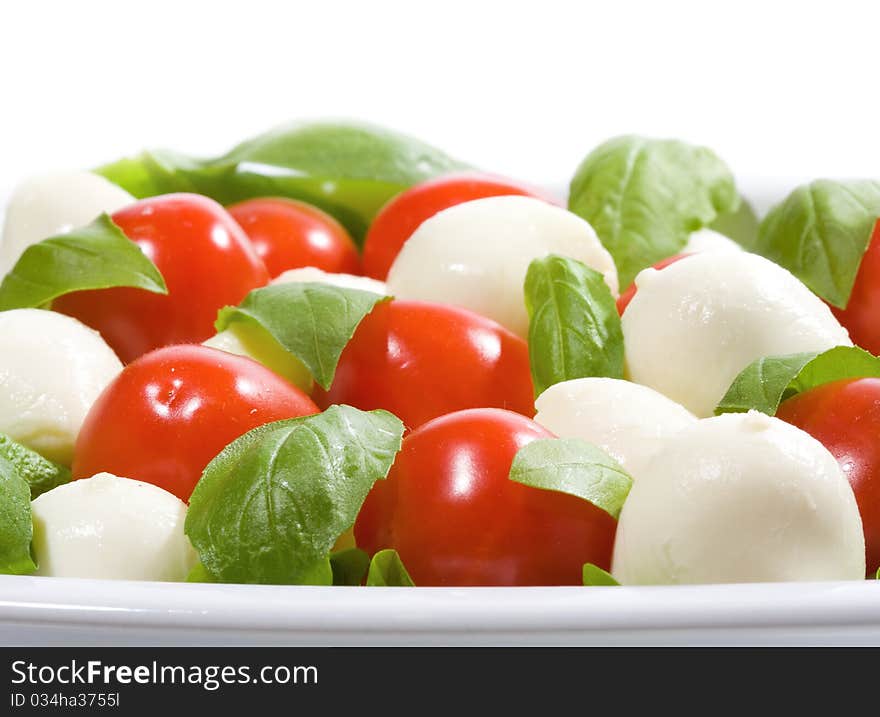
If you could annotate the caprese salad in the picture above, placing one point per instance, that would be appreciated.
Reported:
(337, 356)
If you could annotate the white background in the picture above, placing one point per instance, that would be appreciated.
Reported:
(523, 88)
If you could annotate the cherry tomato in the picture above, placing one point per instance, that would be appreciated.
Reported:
(168, 414)
(207, 262)
(421, 360)
(451, 511)
(398, 219)
(288, 234)
(627, 296)
(860, 317)
(845, 417)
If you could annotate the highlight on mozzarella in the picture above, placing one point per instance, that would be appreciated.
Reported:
(111, 528)
(740, 498)
(693, 326)
(48, 205)
(706, 239)
(319, 276)
(628, 421)
(475, 255)
(52, 368)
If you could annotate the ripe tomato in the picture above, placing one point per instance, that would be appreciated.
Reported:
(845, 417)
(398, 219)
(168, 414)
(206, 259)
(450, 510)
(860, 317)
(421, 360)
(290, 235)
(627, 296)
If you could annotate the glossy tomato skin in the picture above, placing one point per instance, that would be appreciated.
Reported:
(845, 417)
(450, 510)
(861, 317)
(288, 234)
(207, 262)
(421, 360)
(627, 296)
(168, 414)
(401, 216)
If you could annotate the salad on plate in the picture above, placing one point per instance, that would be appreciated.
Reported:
(337, 356)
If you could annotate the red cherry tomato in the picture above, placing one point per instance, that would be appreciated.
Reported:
(421, 360)
(168, 414)
(207, 262)
(289, 235)
(398, 219)
(845, 417)
(450, 510)
(627, 296)
(861, 317)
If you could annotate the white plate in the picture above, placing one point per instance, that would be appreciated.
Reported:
(59, 611)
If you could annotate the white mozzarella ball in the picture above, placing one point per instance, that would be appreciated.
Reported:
(475, 255)
(693, 326)
(318, 276)
(740, 498)
(628, 421)
(704, 240)
(111, 528)
(52, 368)
(49, 205)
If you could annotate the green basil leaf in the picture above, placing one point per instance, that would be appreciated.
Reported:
(40, 473)
(741, 225)
(349, 566)
(820, 233)
(645, 196)
(387, 570)
(571, 465)
(596, 577)
(312, 321)
(16, 523)
(877, 576)
(574, 327)
(271, 506)
(349, 170)
(767, 382)
(97, 256)
(199, 574)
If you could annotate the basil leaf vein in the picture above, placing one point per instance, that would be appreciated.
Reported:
(39, 473)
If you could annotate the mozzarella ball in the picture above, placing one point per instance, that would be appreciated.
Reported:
(111, 528)
(740, 498)
(318, 276)
(693, 326)
(704, 240)
(246, 339)
(628, 421)
(475, 255)
(52, 369)
(49, 205)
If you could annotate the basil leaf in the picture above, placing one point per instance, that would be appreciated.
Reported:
(349, 170)
(97, 256)
(574, 327)
(767, 382)
(312, 321)
(645, 196)
(595, 576)
(199, 574)
(820, 233)
(16, 524)
(39, 473)
(349, 566)
(387, 570)
(270, 507)
(571, 465)
(741, 225)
